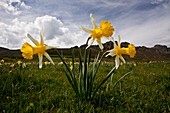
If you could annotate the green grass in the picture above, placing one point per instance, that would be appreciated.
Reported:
(145, 90)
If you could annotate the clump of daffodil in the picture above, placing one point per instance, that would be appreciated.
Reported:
(40, 48)
(105, 30)
(118, 52)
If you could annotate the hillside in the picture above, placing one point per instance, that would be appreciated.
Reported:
(158, 52)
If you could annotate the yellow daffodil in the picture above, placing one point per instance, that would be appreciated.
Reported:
(46, 63)
(19, 62)
(24, 65)
(105, 30)
(134, 64)
(28, 51)
(12, 65)
(118, 51)
(2, 61)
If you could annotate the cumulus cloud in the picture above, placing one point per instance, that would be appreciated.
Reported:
(13, 6)
(51, 25)
(13, 34)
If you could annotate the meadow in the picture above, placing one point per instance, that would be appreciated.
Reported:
(26, 88)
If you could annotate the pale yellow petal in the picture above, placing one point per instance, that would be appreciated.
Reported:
(32, 39)
(100, 44)
(40, 56)
(41, 38)
(85, 29)
(122, 59)
(115, 45)
(118, 40)
(90, 42)
(111, 53)
(93, 21)
(117, 62)
(51, 47)
(48, 57)
(111, 39)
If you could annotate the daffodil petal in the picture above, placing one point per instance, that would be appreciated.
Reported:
(41, 38)
(92, 20)
(51, 47)
(115, 45)
(111, 39)
(117, 62)
(118, 39)
(85, 29)
(100, 44)
(111, 53)
(40, 56)
(122, 59)
(90, 42)
(32, 39)
(48, 57)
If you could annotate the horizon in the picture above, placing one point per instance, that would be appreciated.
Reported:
(91, 45)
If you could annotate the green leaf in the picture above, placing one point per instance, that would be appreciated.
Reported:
(103, 81)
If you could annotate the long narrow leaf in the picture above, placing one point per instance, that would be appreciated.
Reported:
(92, 76)
(85, 72)
(73, 72)
(80, 75)
(89, 57)
(103, 81)
(68, 69)
(95, 69)
(88, 74)
(98, 63)
(121, 78)
(71, 83)
(73, 56)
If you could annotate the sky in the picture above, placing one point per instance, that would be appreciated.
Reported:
(141, 22)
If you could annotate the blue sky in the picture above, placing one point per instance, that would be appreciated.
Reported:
(141, 22)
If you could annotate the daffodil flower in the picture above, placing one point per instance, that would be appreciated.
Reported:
(105, 30)
(40, 49)
(2, 61)
(118, 51)
(19, 62)
(24, 65)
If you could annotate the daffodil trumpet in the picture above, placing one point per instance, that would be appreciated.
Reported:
(105, 30)
(117, 51)
(40, 48)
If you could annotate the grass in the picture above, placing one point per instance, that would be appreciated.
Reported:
(33, 90)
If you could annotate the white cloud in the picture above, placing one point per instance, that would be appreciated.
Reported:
(13, 6)
(147, 32)
(13, 34)
(51, 25)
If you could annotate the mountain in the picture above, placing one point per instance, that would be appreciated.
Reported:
(158, 52)
(4, 52)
